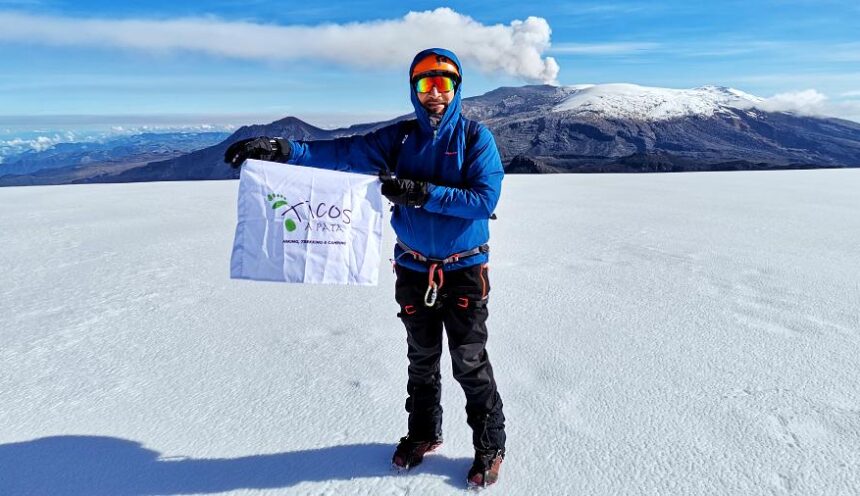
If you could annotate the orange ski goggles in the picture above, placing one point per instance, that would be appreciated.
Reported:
(442, 84)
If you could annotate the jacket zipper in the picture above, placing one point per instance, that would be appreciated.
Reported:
(435, 172)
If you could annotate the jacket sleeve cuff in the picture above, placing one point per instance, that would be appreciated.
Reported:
(434, 197)
(292, 151)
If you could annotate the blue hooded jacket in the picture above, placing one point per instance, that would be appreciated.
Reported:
(456, 216)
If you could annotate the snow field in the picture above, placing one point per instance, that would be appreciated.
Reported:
(651, 334)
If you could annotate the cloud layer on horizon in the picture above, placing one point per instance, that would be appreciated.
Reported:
(516, 49)
(809, 102)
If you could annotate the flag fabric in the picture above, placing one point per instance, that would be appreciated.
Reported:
(307, 225)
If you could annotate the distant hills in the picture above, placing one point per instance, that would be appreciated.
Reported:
(67, 163)
(584, 128)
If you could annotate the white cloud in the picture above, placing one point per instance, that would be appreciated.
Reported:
(516, 49)
(810, 102)
(39, 143)
(806, 102)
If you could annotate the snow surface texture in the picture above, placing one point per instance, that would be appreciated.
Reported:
(678, 334)
(631, 101)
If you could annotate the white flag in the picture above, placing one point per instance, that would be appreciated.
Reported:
(307, 225)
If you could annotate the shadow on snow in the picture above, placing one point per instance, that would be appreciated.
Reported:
(107, 466)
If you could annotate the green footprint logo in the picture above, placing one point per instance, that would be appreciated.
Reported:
(277, 202)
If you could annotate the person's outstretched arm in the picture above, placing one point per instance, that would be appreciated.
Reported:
(370, 153)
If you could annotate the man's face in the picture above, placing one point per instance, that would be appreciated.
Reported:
(435, 102)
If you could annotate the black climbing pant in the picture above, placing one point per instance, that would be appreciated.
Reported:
(461, 309)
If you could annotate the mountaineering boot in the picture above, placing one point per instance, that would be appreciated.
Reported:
(410, 453)
(485, 468)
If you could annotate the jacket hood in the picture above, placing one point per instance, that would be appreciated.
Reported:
(452, 113)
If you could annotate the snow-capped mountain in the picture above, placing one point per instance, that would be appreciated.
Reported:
(629, 128)
(631, 101)
(581, 128)
(626, 101)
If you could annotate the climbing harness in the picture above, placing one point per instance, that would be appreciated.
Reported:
(436, 266)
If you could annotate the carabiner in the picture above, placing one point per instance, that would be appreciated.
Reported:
(432, 286)
(431, 294)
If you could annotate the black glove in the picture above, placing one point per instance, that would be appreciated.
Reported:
(404, 191)
(261, 148)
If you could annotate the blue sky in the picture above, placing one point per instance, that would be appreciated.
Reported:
(250, 61)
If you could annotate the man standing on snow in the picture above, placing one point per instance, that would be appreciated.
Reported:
(444, 175)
